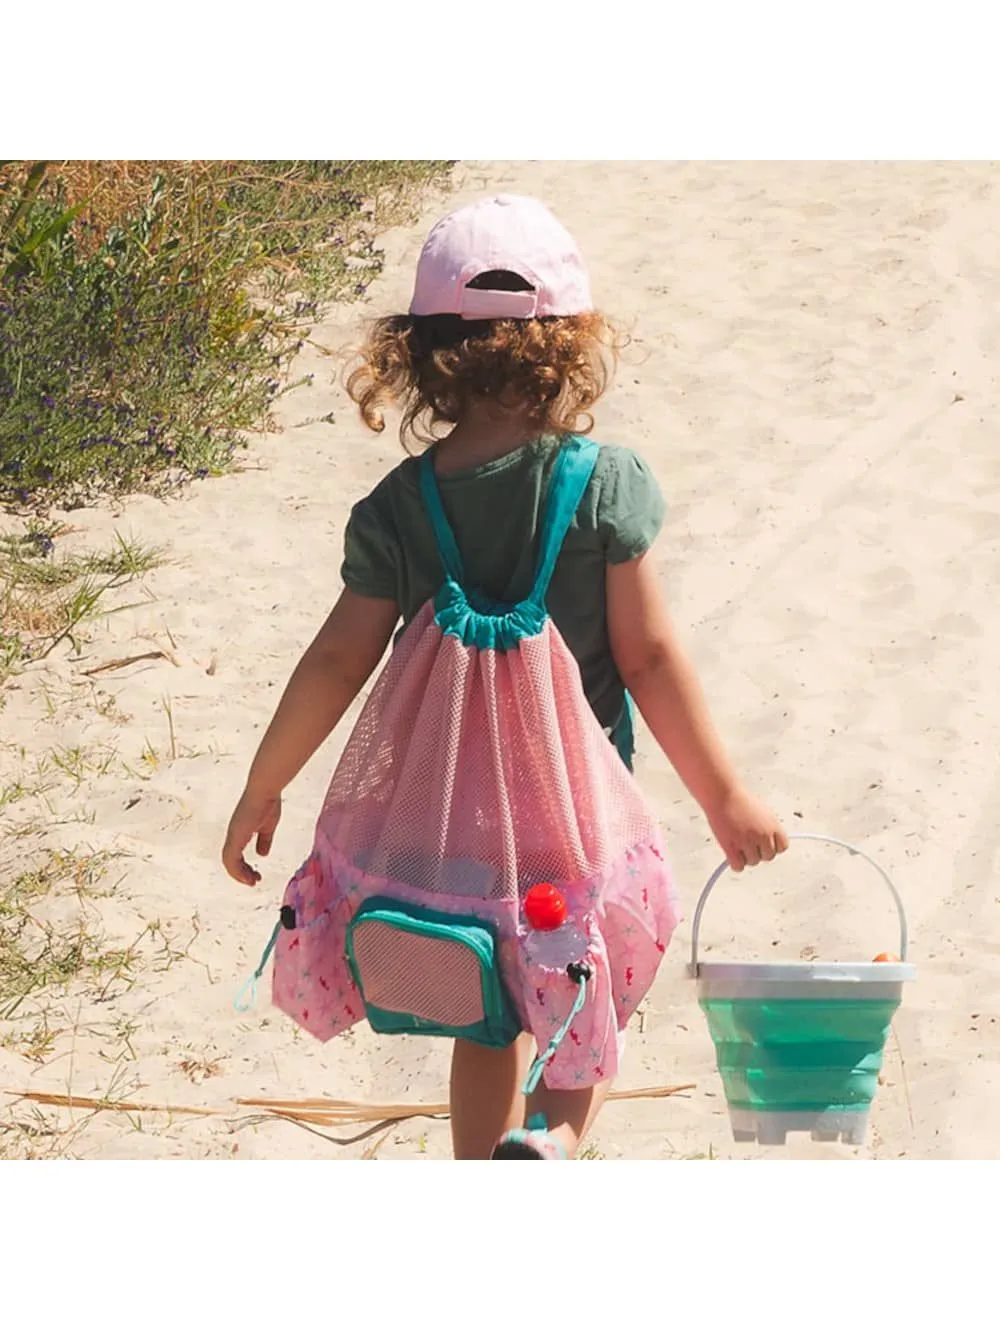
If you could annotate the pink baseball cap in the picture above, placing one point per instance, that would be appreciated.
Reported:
(501, 233)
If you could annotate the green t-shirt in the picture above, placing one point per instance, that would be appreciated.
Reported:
(495, 511)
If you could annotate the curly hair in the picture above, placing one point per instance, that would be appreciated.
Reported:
(432, 367)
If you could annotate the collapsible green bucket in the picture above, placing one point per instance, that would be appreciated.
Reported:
(799, 1044)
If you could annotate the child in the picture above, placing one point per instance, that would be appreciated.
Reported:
(496, 365)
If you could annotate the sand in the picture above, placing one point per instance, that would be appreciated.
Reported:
(813, 381)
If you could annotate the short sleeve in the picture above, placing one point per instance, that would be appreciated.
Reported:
(630, 506)
(371, 554)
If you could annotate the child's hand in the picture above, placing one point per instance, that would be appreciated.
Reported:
(253, 815)
(748, 831)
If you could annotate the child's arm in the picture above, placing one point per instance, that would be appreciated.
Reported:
(663, 682)
(326, 680)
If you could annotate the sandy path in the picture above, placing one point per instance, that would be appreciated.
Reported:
(813, 380)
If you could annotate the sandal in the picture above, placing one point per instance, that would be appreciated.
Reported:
(532, 1142)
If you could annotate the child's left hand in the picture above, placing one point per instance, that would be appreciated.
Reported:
(747, 830)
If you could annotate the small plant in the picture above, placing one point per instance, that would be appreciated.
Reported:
(79, 763)
(589, 1152)
(35, 1043)
(119, 1034)
(167, 707)
(199, 1065)
(29, 780)
(38, 955)
(702, 1155)
(31, 1137)
(106, 705)
(47, 598)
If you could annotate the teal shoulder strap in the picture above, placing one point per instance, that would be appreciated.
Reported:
(445, 537)
(571, 475)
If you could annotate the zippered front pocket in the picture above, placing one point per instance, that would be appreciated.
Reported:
(424, 972)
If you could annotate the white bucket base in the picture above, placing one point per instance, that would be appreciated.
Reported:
(771, 1128)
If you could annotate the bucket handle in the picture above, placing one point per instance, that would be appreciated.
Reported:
(818, 838)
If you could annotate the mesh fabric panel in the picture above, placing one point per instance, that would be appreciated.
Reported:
(479, 774)
(405, 972)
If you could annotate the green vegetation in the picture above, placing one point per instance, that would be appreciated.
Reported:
(150, 310)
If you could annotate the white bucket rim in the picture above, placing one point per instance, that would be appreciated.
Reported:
(694, 961)
(831, 972)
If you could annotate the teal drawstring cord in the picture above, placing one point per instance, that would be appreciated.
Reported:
(246, 996)
(581, 973)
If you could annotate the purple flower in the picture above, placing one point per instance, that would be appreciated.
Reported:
(44, 544)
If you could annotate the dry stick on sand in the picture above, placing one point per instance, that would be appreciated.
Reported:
(309, 1113)
(128, 660)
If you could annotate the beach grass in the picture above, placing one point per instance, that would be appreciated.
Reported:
(151, 311)
(48, 597)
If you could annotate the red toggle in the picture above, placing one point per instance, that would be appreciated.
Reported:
(544, 907)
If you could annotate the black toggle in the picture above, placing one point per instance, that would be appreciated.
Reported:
(288, 917)
(579, 971)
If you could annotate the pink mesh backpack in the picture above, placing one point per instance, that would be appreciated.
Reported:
(484, 862)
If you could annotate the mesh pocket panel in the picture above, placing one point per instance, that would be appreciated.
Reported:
(405, 972)
(474, 773)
